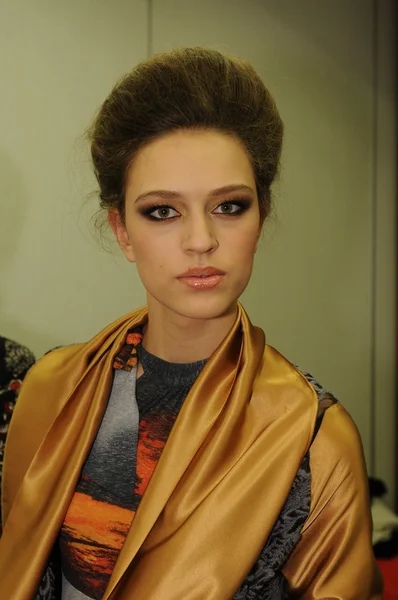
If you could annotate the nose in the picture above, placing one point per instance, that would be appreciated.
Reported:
(199, 235)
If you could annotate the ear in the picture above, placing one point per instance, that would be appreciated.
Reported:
(119, 229)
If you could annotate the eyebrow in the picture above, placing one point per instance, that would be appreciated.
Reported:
(170, 195)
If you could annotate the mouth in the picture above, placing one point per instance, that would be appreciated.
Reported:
(201, 272)
(202, 278)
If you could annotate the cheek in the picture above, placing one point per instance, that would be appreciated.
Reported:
(245, 242)
(150, 250)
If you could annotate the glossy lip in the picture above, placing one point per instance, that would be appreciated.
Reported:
(202, 278)
(201, 272)
(202, 283)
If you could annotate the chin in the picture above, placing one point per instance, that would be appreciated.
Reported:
(203, 306)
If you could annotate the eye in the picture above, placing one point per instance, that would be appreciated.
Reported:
(234, 208)
(160, 213)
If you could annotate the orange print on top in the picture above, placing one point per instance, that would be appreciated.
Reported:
(98, 522)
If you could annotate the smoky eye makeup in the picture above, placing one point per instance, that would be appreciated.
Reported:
(164, 212)
(238, 206)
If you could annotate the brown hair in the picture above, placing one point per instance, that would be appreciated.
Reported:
(189, 88)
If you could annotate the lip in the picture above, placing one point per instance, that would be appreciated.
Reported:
(202, 278)
(201, 272)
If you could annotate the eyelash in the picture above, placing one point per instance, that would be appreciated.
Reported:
(242, 204)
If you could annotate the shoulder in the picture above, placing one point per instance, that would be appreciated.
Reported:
(338, 439)
(40, 401)
(39, 397)
(293, 374)
(293, 370)
(337, 434)
(336, 457)
(337, 464)
(320, 390)
(52, 363)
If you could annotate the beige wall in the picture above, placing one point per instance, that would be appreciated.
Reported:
(324, 275)
(58, 61)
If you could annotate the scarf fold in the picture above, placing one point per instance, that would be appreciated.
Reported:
(235, 448)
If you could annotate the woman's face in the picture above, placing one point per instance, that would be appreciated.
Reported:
(191, 222)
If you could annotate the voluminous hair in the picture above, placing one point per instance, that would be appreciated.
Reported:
(189, 88)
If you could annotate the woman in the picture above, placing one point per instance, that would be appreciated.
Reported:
(260, 491)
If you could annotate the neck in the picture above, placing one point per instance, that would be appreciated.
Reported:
(180, 339)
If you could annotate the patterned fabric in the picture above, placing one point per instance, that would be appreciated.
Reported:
(127, 357)
(48, 588)
(101, 511)
(15, 361)
(136, 425)
(265, 581)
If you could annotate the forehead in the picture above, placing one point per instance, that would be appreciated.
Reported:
(190, 160)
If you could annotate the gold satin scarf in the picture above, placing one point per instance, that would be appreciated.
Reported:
(216, 492)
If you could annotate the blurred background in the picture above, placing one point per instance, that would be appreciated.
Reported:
(323, 287)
